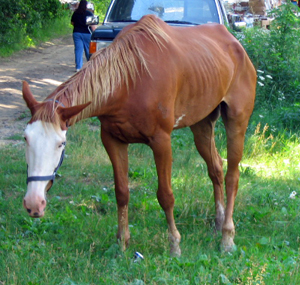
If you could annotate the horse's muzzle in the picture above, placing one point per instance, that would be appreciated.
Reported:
(37, 209)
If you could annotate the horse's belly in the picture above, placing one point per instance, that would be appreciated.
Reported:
(124, 131)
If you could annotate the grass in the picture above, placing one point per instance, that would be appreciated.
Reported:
(75, 242)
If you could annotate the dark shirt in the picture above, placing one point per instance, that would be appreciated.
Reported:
(79, 21)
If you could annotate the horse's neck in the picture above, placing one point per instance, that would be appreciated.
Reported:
(98, 106)
(100, 88)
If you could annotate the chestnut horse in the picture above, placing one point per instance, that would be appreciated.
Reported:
(152, 79)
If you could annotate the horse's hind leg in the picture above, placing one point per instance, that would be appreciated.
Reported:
(236, 120)
(205, 143)
(118, 154)
(161, 147)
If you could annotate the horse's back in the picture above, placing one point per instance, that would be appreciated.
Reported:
(210, 67)
(189, 71)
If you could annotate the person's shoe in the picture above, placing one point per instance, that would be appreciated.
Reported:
(77, 70)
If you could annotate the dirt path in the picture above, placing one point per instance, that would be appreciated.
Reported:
(44, 68)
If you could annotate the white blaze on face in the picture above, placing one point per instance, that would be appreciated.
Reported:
(43, 152)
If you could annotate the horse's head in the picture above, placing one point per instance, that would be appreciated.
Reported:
(45, 137)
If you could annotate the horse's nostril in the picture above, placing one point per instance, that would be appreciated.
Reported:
(29, 211)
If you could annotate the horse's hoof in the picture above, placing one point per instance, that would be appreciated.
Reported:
(174, 240)
(228, 247)
(122, 244)
(227, 243)
(219, 224)
(175, 252)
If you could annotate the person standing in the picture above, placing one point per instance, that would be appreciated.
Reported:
(81, 33)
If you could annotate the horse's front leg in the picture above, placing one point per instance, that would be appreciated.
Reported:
(118, 154)
(161, 146)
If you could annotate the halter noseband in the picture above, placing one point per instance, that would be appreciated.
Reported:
(48, 177)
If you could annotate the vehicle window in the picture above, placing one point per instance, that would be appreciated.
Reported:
(194, 11)
(166, 10)
(203, 11)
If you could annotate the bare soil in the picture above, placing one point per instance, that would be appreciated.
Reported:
(44, 68)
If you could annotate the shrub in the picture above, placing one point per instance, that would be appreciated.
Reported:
(22, 19)
(275, 54)
(12, 30)
(25, 22)
(101, 8)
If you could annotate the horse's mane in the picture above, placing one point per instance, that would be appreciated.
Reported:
(108, 68)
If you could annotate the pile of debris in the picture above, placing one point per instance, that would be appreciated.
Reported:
(251, 12)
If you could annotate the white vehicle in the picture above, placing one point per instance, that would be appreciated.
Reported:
(174, 12)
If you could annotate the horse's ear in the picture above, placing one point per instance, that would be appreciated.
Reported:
(69, 112)
(28, 97)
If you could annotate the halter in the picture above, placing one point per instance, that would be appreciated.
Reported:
(48, 177)
(56, 101)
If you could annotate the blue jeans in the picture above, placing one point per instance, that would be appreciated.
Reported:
(81, 43)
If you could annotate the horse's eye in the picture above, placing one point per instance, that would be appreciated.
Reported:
(25, 139)
(62, 144)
